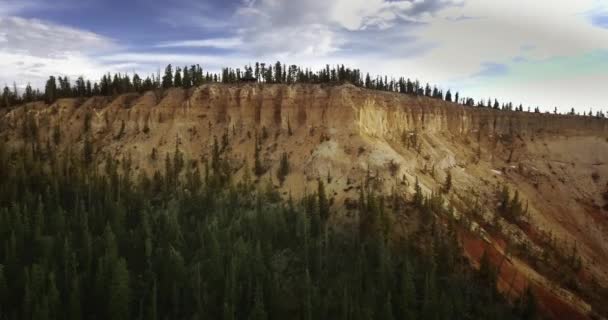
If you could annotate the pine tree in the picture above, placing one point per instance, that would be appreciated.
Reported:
(4, 291)
(152, 307)
(87, 151)
(56, 134)
(177, 79)
(258, 168)
(447, 185)
(528, 305)
(6, 97)
(137, 83)
(187, 79)
(259, 310)
(408, 293)
(387, 312)
(345, 310)
(168, 78)
(308, 296)
(486, 270)
(448, 96)
(278, 74)
(54, 298)
(118, 307)
(28, 95)
(418, 196)
(504, 202)
(27, 302)
(283, 170)
(323, 203)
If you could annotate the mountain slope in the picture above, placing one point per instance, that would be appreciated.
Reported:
(346, 135)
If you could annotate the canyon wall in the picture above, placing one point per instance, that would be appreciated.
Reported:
(378, 114)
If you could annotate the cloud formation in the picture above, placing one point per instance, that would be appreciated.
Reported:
(221, 43)
(481, 48)
(42, 39)
(10, 7)
(320, 28)
(31, 50)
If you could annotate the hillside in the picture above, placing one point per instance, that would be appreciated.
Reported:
(556, 241)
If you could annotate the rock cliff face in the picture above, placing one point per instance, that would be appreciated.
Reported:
(342, 133)
(376, 114)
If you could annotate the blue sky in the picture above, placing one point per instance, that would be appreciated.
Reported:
(539, 53)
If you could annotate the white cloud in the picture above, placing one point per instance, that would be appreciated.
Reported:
(9, 7)
(443, 42)
(448, 42)
(189, 13)
(321, 28)
(39, 38)
(164, 58)
(16, 7)
(507, 31)
(220, 43)
(358, 14)
(292, 41)
(507, 27)
(35, 69)
(31, 50)
(347, 14)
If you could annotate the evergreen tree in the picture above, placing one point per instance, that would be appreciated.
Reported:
(4, 292)
(137, 83)
(6, 96)
(283, 170)
(168, 78)
(74, 301)
(448, 96)
(528, 305)
(258, 169)
(418, 196)
(308, 289)
(447, 185)
(186, 79)
(87, 151)
(118, 307)
(323, 203)
(152, 307)
(53, 298)
(278, 74)
(177, 79)
(28, 95)
(408, 293)
(259, 310)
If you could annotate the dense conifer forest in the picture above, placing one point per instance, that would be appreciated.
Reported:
(193, 76)
(81, 241)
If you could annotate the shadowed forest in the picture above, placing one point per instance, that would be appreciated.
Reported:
(81, 242)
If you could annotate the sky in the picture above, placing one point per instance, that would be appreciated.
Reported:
(546, 53)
